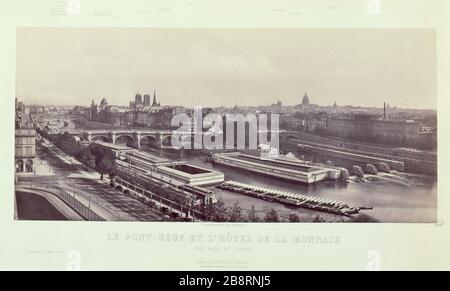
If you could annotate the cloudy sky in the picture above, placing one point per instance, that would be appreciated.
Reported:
(214, 67)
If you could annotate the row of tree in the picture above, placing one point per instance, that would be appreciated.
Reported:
(93, 156)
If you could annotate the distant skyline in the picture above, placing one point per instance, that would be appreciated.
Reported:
(224, 67)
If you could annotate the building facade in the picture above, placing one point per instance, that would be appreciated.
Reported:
(25, 141)
(365, 128)
(142, 112)
(144, 101)
(25, 150)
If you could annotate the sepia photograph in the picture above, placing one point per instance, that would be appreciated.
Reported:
(229, 125)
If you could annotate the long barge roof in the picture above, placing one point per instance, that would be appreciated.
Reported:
(275, 164)
(292, 165)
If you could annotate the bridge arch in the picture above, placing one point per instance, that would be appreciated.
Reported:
(84, 136)
(166, 140)
(103, 138)
(149, 140)
(127, 139)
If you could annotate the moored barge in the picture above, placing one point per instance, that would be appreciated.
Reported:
(281, 167)
(292, 199)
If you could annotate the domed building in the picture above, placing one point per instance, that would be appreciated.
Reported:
(305, 104)
(305, 101)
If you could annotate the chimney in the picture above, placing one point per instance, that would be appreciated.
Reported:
(384, 110)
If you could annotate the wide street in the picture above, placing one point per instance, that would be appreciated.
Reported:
(58, 169)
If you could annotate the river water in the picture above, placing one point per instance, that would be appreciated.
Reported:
(395, 197)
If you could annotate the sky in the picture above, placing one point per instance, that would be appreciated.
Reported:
(224, 67)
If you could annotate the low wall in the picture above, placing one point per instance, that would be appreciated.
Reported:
(397, 165)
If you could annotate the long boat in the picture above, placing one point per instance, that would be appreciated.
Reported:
(292, 170)
(292, 199)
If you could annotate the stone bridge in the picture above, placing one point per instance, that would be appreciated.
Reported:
(160, 138)
(135, 137)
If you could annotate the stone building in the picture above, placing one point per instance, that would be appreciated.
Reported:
(25, 141)
(369, 128)
(25, 150)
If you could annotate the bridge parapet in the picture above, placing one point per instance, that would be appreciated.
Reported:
(137, 136)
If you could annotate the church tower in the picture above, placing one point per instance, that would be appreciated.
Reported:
(155, 103)
(138, 99)
(94, 111)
